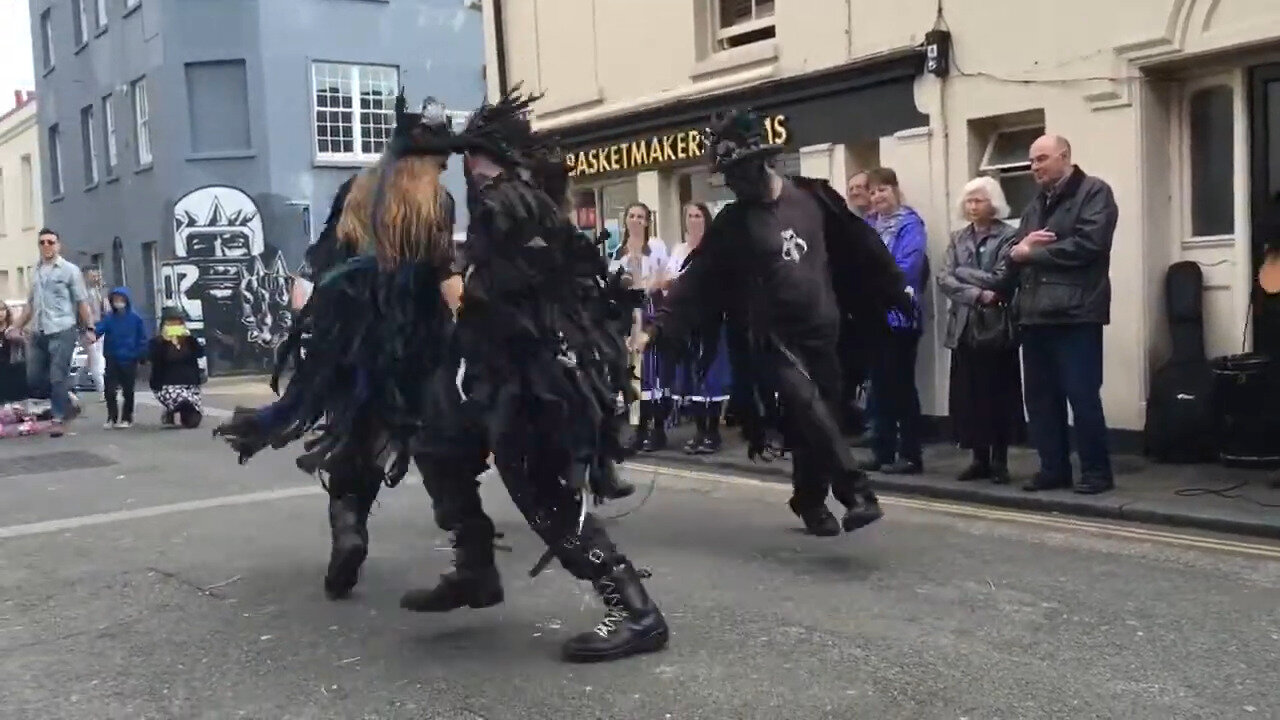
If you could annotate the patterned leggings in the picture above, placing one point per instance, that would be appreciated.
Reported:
(171, 397)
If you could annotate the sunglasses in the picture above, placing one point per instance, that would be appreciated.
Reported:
(48, 242)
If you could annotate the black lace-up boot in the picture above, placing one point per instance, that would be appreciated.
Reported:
(350, 545)
(632, 623)
(609, 485)
(474, 580)
(862, 507)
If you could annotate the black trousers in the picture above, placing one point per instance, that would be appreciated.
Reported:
(120, 375)
(808, 378)
(532, 470)
(897, 409)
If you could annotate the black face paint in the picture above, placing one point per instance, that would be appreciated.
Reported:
(748, 180)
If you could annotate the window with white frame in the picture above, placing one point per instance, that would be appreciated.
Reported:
(1007, 158)
(100, 13)
(46, 38)
(109, 134)
(79, 22)
(28, 192)
(141, 121)
(55, 160)
(742, 22)
(88, 146)
(1210, 160)
(354, 109)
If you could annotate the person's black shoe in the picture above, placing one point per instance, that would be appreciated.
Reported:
(866, 511)
(1094, 486)
(1042, 482)
(609, 485)
(656, 440)
(632, 623)
(1000, 475)
(710, 445)
(350, 547)
(976, 471)
(475, 589)
(903, 467)
(817, 520)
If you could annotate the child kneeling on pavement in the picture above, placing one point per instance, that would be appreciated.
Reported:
(175, 370)
(124, 342)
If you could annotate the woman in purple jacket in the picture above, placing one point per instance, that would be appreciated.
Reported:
(896, 416)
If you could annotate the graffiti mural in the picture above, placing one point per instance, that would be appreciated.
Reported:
(232, 284)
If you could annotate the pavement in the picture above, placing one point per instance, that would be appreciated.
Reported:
(143, 574)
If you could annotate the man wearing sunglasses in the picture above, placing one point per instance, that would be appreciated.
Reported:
(58, 311)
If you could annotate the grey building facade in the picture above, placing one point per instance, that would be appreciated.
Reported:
(191, 148)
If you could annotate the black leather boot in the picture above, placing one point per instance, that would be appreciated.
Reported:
(473, 582)
(1000, 465)
(350, 546)
(609, 485)
(657, 438)
(632, 623)
(862, 507)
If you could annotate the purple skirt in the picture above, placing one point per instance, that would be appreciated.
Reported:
(714, 387)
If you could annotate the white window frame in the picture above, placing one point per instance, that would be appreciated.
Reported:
(131, 4)
(55, 147)
(724, 35)
(357, 129)
(1001, 171)
(1240, 159)
(46, 35)
(87, 123)
(28, 180)
(80, 31)
(100, 13)
(109, 130)
(141, 120)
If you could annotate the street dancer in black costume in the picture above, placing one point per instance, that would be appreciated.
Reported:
(375, 328)
(783, 265)
(535, 384)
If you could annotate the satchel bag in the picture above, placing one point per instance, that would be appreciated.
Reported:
(991, 327)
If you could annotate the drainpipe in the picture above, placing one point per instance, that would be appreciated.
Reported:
(500, 39)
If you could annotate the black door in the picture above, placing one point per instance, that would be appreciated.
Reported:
(1264, 121)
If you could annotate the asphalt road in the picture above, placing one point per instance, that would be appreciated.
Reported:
(171, 583)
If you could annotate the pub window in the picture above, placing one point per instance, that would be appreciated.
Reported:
(354, 109)
(1211, 160)
(742, 22)
(1007, 159)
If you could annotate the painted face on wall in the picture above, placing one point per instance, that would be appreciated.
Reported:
(748, 180)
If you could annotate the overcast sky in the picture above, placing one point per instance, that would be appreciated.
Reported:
(15, 50)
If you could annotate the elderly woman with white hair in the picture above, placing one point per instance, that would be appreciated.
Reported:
(986, 376)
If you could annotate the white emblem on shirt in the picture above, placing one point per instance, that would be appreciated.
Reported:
(793, 246)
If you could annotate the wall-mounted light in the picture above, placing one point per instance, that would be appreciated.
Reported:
(937, 53)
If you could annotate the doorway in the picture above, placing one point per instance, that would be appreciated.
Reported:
(1264, 181)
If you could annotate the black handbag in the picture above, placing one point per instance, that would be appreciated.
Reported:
(991, 327)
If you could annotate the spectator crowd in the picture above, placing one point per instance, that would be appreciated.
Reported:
(1027, 298)
(66, 310)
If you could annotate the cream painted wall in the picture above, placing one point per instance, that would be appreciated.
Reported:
(1087, 67)
(19, 135)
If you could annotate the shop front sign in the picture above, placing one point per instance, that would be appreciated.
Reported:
(655, 151)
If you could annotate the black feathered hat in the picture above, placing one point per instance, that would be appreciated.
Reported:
(548, 170)
(425, 132)
(502, 130)
(733, 136)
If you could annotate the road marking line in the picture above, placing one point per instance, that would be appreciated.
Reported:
(51, 526)
(1029, 518)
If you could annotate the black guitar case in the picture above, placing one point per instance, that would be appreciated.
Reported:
(1180, 425)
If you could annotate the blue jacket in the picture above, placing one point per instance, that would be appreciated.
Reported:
(124, 332)
(904, 234)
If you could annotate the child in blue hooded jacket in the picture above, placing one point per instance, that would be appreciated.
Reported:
(124, 344)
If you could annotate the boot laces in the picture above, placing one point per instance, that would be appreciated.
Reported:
(616, 613)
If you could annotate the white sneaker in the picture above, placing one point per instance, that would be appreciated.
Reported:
(124, 425)
(109, 426)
